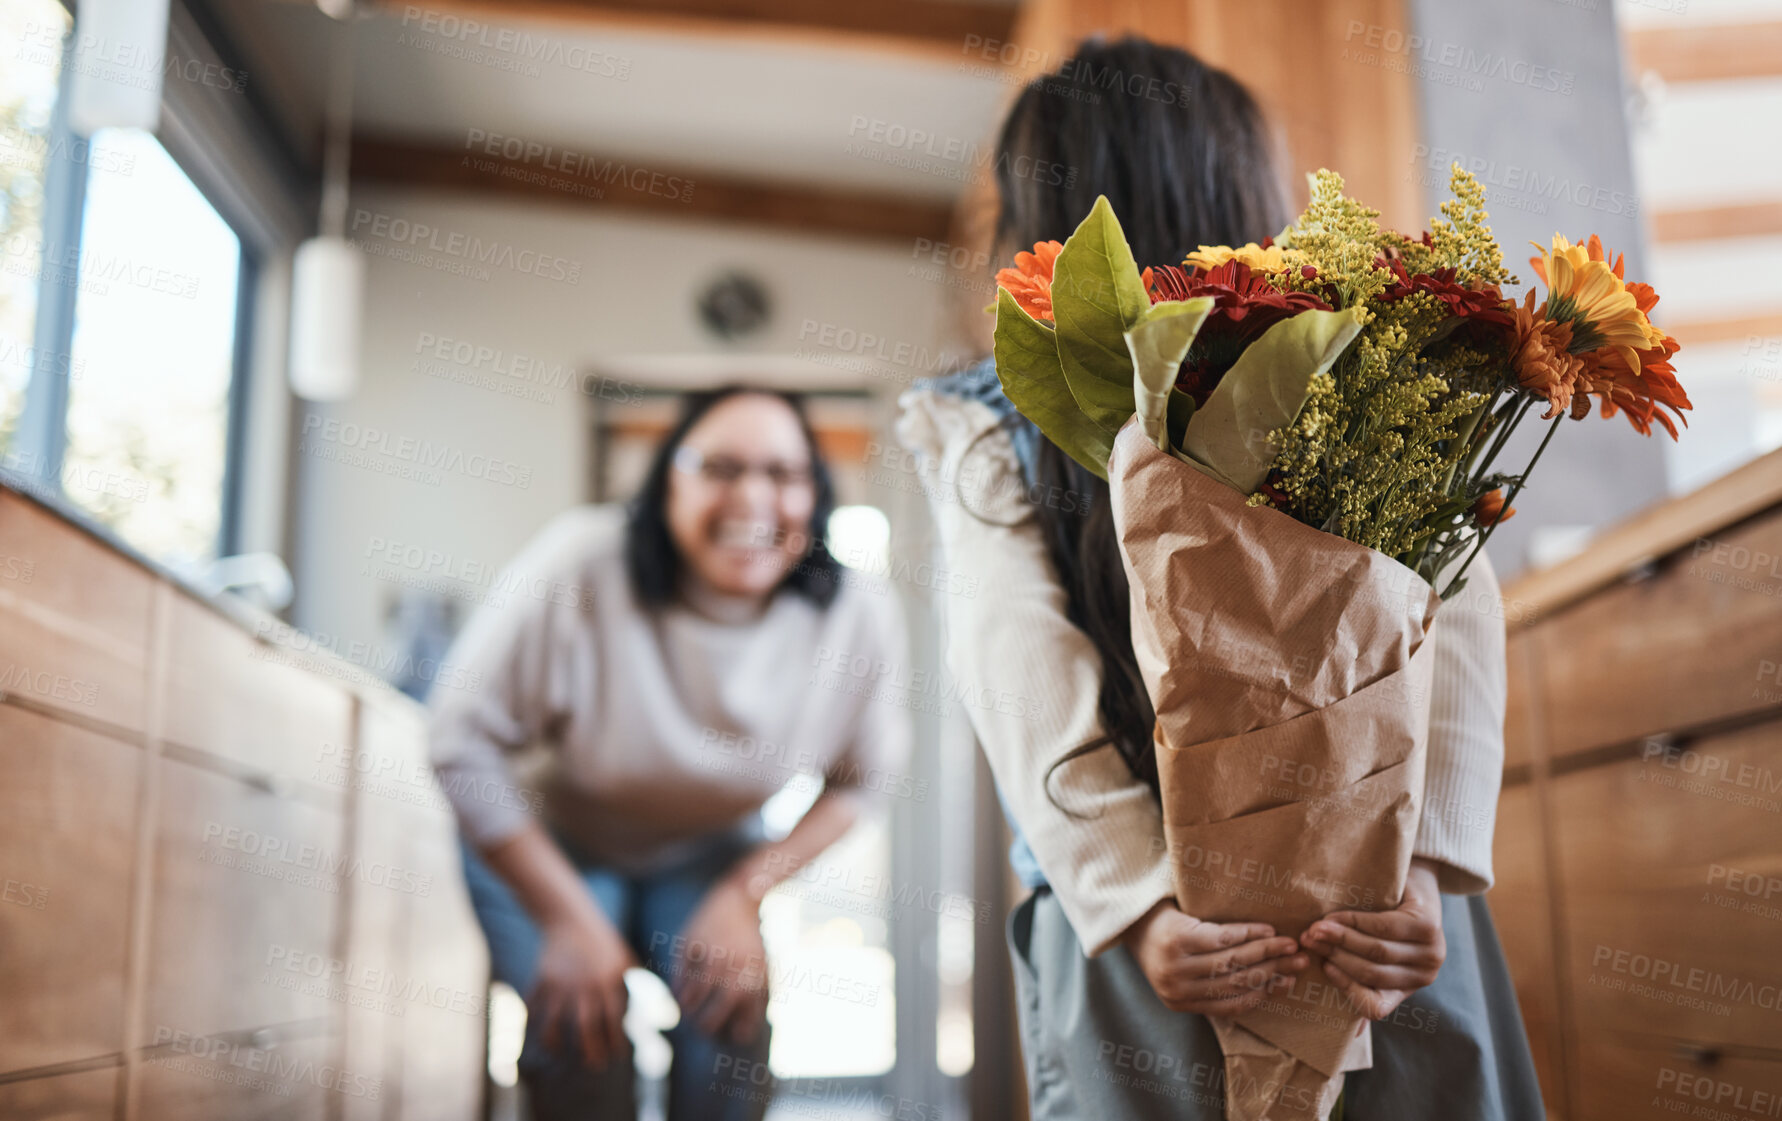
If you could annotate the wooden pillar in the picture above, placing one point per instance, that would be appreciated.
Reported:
(1331, 99)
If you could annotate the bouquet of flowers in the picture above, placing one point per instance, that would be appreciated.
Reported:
(1301, 439)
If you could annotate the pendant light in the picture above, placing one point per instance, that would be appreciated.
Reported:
(328, 272)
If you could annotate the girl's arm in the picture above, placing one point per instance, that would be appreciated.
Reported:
(1097, 832)
(1468, 692)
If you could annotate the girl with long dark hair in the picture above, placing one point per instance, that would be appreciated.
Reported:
(1114, 980)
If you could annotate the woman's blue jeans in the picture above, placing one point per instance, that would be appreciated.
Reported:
(709, 1078)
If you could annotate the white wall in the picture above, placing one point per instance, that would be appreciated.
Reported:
(631, 310)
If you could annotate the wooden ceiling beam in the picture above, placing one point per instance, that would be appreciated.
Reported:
(573, 179)
(1706, 54)
(1751, 219)
(1742, 328)
(944, 28)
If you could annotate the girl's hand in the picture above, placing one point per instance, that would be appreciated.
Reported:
(581, 983)
(1214, 969)
(1378, 958)
(720, 979)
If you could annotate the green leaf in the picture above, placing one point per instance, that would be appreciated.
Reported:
(1158, 343)
(1097, 296)
(1229, 436)
(1027, 365)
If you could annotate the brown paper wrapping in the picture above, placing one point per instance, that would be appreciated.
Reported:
(1291, 683)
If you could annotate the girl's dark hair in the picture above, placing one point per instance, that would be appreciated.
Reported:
(1181, 151)
(651, 559)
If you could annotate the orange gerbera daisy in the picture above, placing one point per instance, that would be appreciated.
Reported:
(1647, 386)
(1542, 358)
(1587, 291)
(1030, 280)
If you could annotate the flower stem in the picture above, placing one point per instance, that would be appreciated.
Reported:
(1520, 408)
(1466, 440)
(1514, 491)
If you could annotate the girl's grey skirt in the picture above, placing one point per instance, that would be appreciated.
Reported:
(1099, 1045)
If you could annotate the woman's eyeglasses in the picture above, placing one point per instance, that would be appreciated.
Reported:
(728, 469)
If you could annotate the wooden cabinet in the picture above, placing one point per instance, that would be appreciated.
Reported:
(76, 637)
(67, 833)
(1522, 912)
(212, 906)
(252, 700)
(268, 1074)
(248, 905)
(1639, 841)
(90, 1095)
(446, 952)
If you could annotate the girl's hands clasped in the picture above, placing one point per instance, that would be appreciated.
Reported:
(1214, 969)
(1378, 958)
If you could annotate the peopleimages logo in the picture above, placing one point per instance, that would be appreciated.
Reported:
(577, 165)
(1674, 975)
(959, 158)
(220, 1053)
(264, 854)
(421, 237)
(1526, 180)
(408, 449)
(506, 48)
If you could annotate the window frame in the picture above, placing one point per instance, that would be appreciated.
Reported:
(39, 445)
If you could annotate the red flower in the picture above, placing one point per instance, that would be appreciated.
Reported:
(1245, 305)
(1481, 305)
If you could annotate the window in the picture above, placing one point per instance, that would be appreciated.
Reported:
(154, 343)
(32, 32)
(120, 295)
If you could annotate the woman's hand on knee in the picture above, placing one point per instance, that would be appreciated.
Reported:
(1214, 969)
(581, 986)
(720, 977)
(1378, 958)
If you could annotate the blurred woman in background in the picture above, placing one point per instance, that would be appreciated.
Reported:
(1105, 963)
(662, 654)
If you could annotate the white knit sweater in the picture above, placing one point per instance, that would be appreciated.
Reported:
(660, 727)
(1108, 864)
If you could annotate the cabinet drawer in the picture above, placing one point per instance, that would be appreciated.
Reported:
(1629, 1076)
(90, 1095)
(248, 890)
(67, 847)
(1672, 876)
(249, 701)
(74, 618)
(444, 1047)
(388, 773)
(1696, 643)
(266, 1075)
(1521, 912)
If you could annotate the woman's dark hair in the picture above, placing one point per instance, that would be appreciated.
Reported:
(1181, 151)
(651, 559)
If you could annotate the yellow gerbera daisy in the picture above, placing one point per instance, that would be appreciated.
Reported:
(1585, 291)
(1269, 259)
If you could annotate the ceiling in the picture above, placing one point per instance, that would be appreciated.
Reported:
(730, 98)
